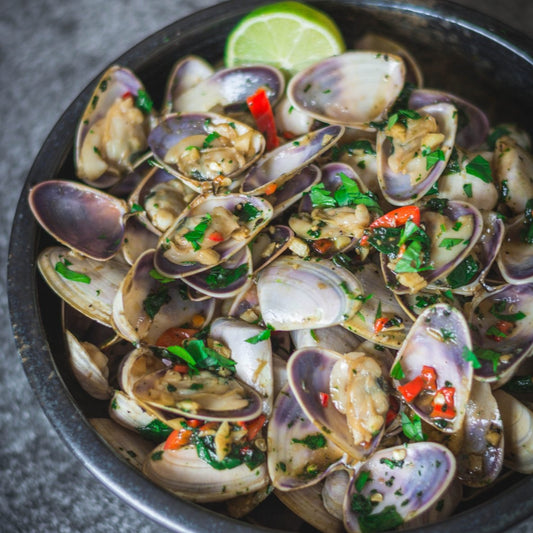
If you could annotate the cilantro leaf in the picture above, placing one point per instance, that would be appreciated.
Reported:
(480, 168)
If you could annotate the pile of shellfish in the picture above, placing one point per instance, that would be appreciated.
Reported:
(342, 318)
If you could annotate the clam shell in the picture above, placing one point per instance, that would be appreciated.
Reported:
(439, 338)
(227, 248)
(515, 259)
(292, 464)
(177, 127)
(480, 459)
(334, 338)
(351, 89)
(514, 346)
(114, 84)
(279, 165)
(473, 124)
(229, 88)
(362, 323)
(254, 361)
(518, 432)
(85, 219)
(409, 478)
(186, 475)
(309, 371)
(186, 74)
(93, 299)
(270, 244)
(397, 188)
(296, 294)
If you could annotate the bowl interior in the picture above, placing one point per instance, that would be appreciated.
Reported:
(494, 69)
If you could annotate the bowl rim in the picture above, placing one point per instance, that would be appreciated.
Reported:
(30, 337)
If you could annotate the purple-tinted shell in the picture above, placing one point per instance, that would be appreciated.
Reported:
(201, 281)
(84, 219)
(488, 309)
(515, 259)
(410, 479)
(294, 188)
(229, 88)
(397, 188)
(249, 412)
(453, 210)
(439, 338)
(114, 83)
(138, 237)
(186, 74)
(289, 423)
(125, 187)
(178, 126)
(262, 255)
(308, 371)
(280, 164)
(476, 126)
(480, 459)
(227, 248)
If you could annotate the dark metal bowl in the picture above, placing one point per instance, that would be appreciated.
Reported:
(459, 50)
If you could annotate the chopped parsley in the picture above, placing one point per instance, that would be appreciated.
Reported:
(143, 102)
(397, 371)
(246, 212)
(220, 277)
(463, 273)
(313, 442)
(263, 336)
(159, 277)
(497, 311)
(526, 235)
(467, 188)
(197, 356)
(480, 168)
(362, 480)
(196, 235)
(412, 428)
(210, 138)
(470, 356)
(62, 267)
(401, 116)
(155, 300)
(489, 355)
(498, 132)
(432, 157)
(449, 243)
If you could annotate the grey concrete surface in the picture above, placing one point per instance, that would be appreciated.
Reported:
(49, 50)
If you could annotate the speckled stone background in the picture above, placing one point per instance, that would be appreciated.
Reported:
(49, 51)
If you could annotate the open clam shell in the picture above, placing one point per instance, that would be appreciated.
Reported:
(171, 139)
(440, 338)
(515, 259)
(351, 89)
(473, 124)
(90, 366)
(91, 167)
(172, 266)
(299, 455)
(277, 166)
(138, 238)
(453, 232)
(204, 395)
(501, 349)
(187, 73)
(186, 475)
(228, 89)
(83, 218)
(378, 302)
(309, 372)
(145, 306)
(297, 294)
(85, 284)
(399, 188)
(409, 480)
(480, 459)
(254, 360)
(518, 432)
(270, 244)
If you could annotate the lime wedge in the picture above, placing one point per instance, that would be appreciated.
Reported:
(287, 35)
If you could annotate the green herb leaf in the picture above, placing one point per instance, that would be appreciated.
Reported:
(136, 208)
(362, 479)
(313, 442)
(467, 188)
(411, 260)
(480, 168)
(449, 243)
(463, 273)
(206, 357)
(470, 356)
(182, 353)
(321, 197)
(144, 102)
(155, 300)
(159, 277)
(489, 355)
(196, 236)
(220, 277)
(155, 431)
(246, 212)
(412, 429)
(495, 310)
(397, 371)
(210, 138)
(433, 157)
(401, 116)
(498, 132)
(263, 336)
(63, 269)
